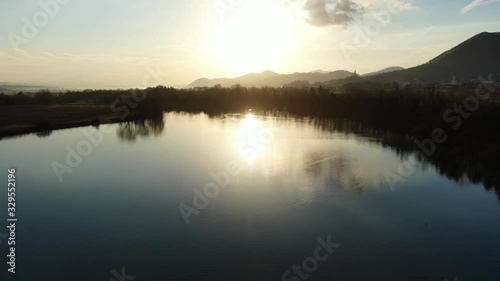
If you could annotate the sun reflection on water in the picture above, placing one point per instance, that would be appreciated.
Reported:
(248, 143)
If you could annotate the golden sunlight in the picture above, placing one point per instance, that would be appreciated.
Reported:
(259, 38)
(247, 142)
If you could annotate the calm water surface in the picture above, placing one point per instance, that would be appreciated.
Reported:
(298, 181)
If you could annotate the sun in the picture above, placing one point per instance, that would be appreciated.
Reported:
(257, 37)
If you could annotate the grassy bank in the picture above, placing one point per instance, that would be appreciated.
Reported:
(24, 119)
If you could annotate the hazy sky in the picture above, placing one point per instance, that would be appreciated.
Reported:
(132, 43)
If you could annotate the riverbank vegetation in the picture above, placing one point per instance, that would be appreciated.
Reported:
(469, 115)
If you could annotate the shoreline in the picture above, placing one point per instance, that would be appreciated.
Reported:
(19, 132)
(16, 121)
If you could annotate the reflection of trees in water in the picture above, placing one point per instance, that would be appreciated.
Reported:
(131, 131)
(477, 163)
(43, 134)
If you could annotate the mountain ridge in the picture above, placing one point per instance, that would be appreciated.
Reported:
(385, 70)
(271, 79)
(476, 56)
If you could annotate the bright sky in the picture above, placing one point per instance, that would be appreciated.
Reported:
(132, 43)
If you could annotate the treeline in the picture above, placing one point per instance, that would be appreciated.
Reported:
(401, 109)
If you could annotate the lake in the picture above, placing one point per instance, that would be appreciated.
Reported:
(243, 197)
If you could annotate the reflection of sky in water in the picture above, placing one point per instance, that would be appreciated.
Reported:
(298, 153)
(122, 203)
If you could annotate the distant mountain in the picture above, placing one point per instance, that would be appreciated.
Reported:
(205, 82)
(385, 70)
(14, 88)
(271, 79)
(478, 56)
(320, 71)
(226, 82)
(11, 85)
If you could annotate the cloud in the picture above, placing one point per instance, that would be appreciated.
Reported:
(402, 5)
(476, 3)
(390, 5)
(322, 13)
